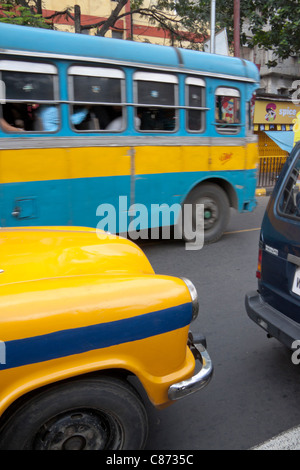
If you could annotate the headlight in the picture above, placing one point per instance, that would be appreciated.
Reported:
(194, 297)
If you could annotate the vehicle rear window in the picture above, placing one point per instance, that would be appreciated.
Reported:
(289, 201)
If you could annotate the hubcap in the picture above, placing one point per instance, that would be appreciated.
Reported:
(80, 430)
(210, 212)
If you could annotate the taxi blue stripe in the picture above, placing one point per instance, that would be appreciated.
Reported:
(79, 340)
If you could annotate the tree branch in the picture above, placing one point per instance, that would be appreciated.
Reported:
(113, 17)
(164, 20)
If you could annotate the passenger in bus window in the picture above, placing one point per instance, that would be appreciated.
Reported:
(102, 116)
(147, 120)
(138, 119)
(116, 124)
(79, 115)
(16, 116)
(8, 128)
(166, 119)
(49, 117)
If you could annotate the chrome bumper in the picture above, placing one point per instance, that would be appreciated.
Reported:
(199, 380)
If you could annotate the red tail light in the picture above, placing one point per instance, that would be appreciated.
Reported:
(258, 272)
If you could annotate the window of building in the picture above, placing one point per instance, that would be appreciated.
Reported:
(30, 91)
(117, 34)
(97, 99)
(195, 100)
(227, 110)
(156, 102)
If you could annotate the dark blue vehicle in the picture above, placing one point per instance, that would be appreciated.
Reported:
(276, 305)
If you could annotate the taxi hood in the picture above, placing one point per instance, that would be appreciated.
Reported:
(45, 252)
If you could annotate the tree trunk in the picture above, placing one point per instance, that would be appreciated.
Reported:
(39, 8)
(77, 15)
(113, 18)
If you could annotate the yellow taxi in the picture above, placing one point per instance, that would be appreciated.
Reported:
(82, 313)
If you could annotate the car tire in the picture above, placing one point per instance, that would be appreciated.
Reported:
(102, 413)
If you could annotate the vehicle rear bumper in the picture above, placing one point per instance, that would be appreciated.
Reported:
(201, 378)
(277, 325)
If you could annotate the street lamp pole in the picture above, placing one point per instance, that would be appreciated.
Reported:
(236, 27)
(212, 26)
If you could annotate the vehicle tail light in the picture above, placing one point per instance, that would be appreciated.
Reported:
(258, 272)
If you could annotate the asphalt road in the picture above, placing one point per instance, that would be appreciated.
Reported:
(254, 394)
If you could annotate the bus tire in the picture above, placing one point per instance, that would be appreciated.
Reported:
(86, 414)
(216, 212)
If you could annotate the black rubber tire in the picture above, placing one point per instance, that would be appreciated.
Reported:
(102, 413)
(216, 203)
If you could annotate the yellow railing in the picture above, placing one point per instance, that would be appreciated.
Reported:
(271, 161)
(269, 169)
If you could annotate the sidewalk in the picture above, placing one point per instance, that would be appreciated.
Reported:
(289, 440)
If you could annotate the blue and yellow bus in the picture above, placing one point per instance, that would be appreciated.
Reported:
(86, 121)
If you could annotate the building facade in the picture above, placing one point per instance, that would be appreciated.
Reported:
(133, 27)
(277, 107)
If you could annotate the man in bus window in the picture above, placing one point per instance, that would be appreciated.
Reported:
(49, 117)
(116, 124)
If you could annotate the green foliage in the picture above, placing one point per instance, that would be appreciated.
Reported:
(13, 13)
(276, 25)
(270, 24)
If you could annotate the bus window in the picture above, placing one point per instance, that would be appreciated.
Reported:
(97, 98)
(227, 110)
(30, 90)
(195, 100)
(155, 101)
